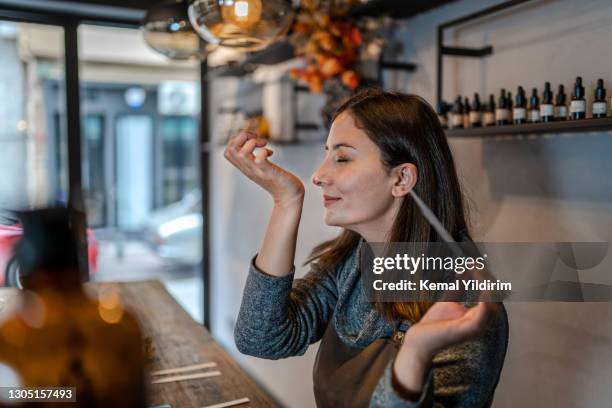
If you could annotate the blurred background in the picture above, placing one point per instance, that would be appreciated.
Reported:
(139, 150)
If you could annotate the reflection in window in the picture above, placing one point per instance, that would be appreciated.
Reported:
(93, 169)
(32, 115)
(134, 143)
(179, 139)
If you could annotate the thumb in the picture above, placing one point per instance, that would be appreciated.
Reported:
(261, 155)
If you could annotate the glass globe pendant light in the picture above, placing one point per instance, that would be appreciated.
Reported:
(167, 30)
(246, 25)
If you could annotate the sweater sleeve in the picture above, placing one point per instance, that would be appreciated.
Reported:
(461, 376)
(280, 317)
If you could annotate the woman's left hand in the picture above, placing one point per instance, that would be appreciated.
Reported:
(445, 324)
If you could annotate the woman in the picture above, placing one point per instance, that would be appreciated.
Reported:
(381, 145)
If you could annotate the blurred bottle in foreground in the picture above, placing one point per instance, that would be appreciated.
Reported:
(57, 335)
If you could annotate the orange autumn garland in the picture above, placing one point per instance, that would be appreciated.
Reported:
(330, 46)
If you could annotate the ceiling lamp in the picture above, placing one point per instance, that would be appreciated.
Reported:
(168, 31)
(246, 25)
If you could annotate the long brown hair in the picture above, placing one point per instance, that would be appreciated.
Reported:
(406, 129)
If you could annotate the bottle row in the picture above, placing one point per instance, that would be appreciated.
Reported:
(463, 114)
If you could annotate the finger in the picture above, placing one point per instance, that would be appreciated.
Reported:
(258, 142)
(243, 136)
(237, 141)
(261, 156)
(261, 142)
(247, 149)
(249, 134)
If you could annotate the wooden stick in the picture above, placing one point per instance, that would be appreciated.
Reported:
(187, 377)
(229, 403)
(184, 369)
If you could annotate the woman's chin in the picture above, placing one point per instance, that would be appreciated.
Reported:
(332, 221)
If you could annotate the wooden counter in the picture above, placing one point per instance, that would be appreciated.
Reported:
(179, 341)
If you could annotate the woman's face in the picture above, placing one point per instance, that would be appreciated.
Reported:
(357, 188)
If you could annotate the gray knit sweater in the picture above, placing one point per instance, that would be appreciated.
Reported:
(281, 317)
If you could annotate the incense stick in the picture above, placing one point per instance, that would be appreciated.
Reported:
(229, 403)
(184, 369)
(187, 377)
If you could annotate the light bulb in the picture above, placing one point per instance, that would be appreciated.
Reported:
(246, 25)
(243, 13)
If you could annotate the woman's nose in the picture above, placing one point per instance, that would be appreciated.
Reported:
(318, 177)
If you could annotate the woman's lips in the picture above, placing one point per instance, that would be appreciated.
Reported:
(329, 200)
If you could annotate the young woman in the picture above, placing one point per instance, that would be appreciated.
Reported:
(380, 146)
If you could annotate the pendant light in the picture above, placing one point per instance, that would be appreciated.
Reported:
(167, 30)
(246, 25)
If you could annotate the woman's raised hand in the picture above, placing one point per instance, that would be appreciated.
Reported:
(285, 187)
(448, 323)
(445, 324)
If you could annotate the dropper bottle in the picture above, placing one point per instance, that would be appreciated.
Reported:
(502, 113)
(560, 106)
(547, 111)
(519, 113)
(441, 111)
(600, 107)
(489, 114)
(467, 109)
(534, 106)
(457, 114)
(509, 99)
(475, 120)
(578, 103)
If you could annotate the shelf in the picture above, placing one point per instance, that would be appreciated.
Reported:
(566, 126)
(395, 8)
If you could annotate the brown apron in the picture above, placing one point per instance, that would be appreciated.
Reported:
(346, 376)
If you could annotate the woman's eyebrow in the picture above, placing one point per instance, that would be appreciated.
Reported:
(339, 145)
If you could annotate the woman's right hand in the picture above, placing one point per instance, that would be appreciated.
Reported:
(284, 187)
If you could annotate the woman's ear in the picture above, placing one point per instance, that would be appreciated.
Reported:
(405, 176)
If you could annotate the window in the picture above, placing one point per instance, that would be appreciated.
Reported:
(179, 136)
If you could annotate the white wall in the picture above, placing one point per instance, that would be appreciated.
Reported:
(539, 189)
(545, 188)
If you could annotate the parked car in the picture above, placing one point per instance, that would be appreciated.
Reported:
(175, 232)
(10, 234)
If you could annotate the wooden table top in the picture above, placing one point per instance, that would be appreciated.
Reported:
(180, 341)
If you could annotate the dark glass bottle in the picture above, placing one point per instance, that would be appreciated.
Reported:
(578, 103)
(475, 113)
(547, 111)
(560, 104)
(600, 106)
(488, 118)
(73, 338)
(457, 114)
(502, 113)
(441, 111)
(519, 113)
(510, 109)
(467, 109)
(534, 106)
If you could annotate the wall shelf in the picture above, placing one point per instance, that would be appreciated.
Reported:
(566, 126)
(465, 52)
